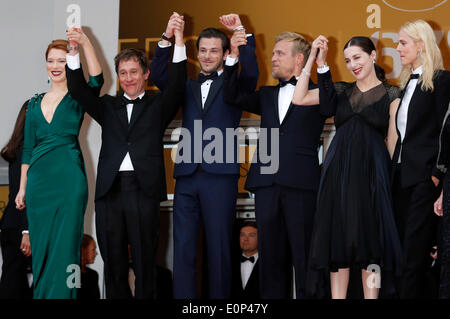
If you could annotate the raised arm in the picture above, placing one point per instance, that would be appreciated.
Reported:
(244, 46)
(77, 35)
(173, 94)
(303, 96)
(159, 72)
(86, 94)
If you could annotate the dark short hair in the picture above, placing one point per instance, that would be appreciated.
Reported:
(134, 54)
(248, 223)
(214, 33)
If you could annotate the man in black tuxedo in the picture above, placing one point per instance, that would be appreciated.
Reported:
(286, 187)
(245, 284)
(130, 176)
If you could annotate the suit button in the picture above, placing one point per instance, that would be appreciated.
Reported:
(129, 143)
(281, 133)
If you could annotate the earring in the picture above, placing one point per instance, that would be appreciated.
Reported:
(48, 80)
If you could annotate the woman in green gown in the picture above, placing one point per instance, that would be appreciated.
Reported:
(54, 179)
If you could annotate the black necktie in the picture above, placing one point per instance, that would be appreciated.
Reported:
(127, 101)
(202, 78)
(414, 76)
(292, 81)
(250, 259)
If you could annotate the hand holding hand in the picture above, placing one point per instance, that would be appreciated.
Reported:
(179, 30)
(174, 22)
(320, 44)
(230, 21)
(239, 38)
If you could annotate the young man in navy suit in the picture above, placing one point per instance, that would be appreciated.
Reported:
(206, 188)
(285, 199)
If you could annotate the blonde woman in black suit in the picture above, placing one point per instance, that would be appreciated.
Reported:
(416, 180)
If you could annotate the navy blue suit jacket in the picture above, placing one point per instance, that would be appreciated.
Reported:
(215, 114)
(299, 135)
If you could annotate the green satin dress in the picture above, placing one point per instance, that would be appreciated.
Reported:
(56, 195)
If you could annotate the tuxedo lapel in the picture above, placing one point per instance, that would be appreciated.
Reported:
(137, 110)
(195, 88)
(121, 112)
(216, 85)
(412, 103)
(287, 114)
(276, 92)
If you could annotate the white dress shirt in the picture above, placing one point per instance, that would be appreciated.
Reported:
(285, 99)
(402, 116)
(127, 165)
(73, 63)
(246, 269)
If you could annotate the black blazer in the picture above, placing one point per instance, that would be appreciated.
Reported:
(420, 145)
(251, 290)
(299, 135)
(216, 113)
(142, 137)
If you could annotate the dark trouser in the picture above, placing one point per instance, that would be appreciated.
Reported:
(284, 216)
(14, 282)
(416, 223)
(127, 216)
(211, 199)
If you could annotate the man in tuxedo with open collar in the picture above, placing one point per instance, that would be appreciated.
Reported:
(245, 284)
(286, 187)
(205, 190)
(130, 175)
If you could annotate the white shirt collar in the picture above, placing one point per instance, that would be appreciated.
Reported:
(419, 70)
(254, 255)
(140, 96)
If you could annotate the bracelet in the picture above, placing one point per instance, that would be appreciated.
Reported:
(165, 37)
(306, 72)
(238, 28)
(69, 47)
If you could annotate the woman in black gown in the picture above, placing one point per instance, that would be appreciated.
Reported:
(15, 240)
(354, 225)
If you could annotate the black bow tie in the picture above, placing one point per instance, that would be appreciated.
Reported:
(250, 259)
(292, 81)
(202, 78)
(414, 76)
(127, 101)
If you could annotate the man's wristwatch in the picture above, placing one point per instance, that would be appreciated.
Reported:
(165, 37)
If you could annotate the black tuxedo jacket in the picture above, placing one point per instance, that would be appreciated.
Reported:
(251, 290)
(299, 135)
(142, 137)
(420, 145)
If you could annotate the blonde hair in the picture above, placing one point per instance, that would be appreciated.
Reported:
(299, 43)
(430, 55)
